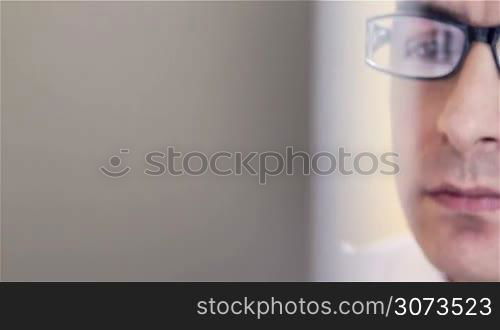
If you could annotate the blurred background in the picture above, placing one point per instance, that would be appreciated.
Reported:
(82, 80)
(349, 213)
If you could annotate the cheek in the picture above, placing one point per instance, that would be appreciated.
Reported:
(416, 106)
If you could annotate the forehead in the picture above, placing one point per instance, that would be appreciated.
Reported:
(475, 12)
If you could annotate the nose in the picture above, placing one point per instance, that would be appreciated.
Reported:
(470, 119)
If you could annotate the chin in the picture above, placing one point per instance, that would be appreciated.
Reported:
(464, 247)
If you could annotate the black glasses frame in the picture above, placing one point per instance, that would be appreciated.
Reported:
(488, 35)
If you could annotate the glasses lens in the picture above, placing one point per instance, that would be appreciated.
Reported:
(414, 46)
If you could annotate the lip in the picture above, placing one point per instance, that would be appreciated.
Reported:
(465, 200)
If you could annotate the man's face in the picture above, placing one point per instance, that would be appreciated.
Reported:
(447, 134)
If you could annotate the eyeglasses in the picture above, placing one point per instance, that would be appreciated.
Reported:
(421, 46)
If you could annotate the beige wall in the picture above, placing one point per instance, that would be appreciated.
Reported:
(82, 80)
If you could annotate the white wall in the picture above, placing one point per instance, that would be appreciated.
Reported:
(351, 111)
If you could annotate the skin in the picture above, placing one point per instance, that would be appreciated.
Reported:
(447, 132)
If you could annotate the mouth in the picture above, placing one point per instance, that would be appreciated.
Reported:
(470, 200)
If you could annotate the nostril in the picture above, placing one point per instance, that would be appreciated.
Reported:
(444, 139)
